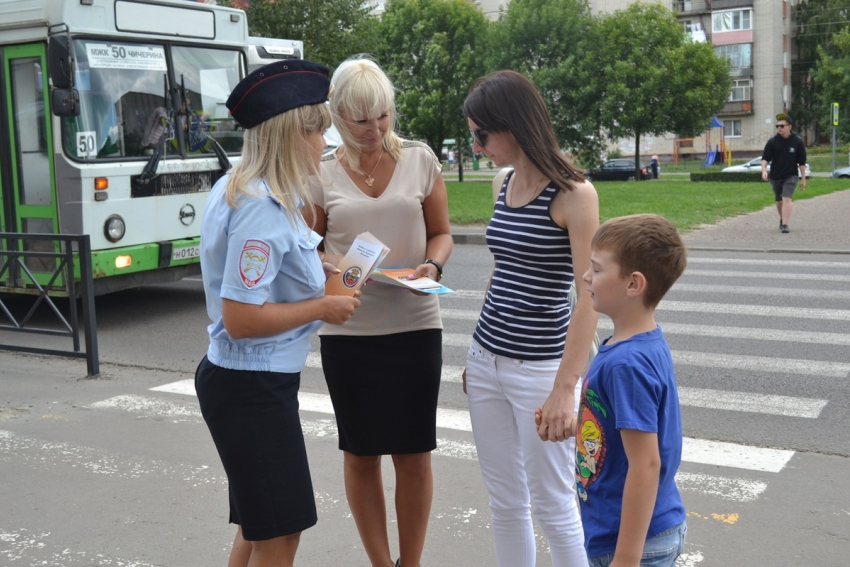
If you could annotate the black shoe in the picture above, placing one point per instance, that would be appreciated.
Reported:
(784, 228)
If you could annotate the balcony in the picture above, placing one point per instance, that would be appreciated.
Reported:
(729, 4)
(741, 71)
(706, 6)
(737, 108)
(691, 7)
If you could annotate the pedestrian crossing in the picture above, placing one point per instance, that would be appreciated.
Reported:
(745, 336)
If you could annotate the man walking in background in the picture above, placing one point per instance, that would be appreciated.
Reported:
(786, 154)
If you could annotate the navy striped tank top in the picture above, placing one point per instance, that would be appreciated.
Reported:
(527, 309)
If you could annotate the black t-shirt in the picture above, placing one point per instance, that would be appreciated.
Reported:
(784, 155)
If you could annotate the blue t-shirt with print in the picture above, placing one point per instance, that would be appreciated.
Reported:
(630, 385)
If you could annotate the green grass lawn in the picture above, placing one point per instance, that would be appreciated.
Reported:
(687, 204)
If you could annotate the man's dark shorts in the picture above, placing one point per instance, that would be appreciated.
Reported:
(784, 187)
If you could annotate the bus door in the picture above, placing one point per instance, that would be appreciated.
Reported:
(28, 186)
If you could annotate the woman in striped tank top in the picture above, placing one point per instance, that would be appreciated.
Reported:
(529, 350)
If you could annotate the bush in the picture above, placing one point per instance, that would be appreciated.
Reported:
(731, 176)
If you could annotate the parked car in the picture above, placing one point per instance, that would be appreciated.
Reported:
(755, 165)
(841, 173)
(617, 170)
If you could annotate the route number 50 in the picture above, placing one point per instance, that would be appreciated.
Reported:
(86, 144)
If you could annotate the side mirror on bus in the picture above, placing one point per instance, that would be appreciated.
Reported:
(59, 62)
(65, 102)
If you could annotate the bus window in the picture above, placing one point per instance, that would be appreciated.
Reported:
(205, 78)
(125, 107)
(123, 88)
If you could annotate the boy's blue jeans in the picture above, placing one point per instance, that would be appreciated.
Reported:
(659, 551)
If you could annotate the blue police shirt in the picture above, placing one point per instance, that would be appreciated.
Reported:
(253, 254)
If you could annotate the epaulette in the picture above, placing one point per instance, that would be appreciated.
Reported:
(415, 144)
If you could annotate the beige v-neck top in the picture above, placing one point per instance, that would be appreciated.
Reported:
(397, 220)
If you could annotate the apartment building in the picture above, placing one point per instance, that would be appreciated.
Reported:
(756, 37)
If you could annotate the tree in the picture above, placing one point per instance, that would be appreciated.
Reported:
(816, 24)
(545, 40)
(833, 82)
(432, 52)
(648, 78)
(332, 30)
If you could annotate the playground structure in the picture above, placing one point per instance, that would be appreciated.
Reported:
(719, 155)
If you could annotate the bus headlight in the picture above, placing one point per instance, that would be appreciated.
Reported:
(114, 228)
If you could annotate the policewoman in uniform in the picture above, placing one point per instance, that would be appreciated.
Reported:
(264, 285)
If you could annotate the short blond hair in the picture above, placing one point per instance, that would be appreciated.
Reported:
(276, 151)
(649, 244)
(360, 90)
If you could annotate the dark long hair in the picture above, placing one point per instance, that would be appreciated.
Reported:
(506, 101)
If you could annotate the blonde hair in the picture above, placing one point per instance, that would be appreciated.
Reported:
(360, 90)
(277, 152)
(590, 431)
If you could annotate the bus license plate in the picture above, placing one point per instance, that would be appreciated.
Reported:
(185, 253)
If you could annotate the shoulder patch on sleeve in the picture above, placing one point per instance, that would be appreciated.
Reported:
(253, 262)
(415, 144)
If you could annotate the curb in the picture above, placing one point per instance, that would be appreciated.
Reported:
(467, 238)
(765, 249)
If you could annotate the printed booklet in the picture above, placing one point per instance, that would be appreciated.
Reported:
(365, 254)
(399, 277)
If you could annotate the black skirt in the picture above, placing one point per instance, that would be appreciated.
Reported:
(384, 390)
(253, 419)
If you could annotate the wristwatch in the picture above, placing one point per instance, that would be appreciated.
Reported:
(437, 265)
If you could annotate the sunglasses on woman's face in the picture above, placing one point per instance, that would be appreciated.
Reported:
(480, 136)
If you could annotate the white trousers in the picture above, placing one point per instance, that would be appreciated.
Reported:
(518, 468)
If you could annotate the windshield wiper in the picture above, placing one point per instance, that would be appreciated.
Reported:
(200, 136)
(158, 131)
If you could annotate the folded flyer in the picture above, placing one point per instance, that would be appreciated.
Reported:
(365, 254)
(399, 277)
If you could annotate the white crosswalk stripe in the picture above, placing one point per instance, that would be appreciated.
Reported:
(755, 334)
(781, 264)
(772, 292)
(715, 308)
(767, 275)
(697, 451)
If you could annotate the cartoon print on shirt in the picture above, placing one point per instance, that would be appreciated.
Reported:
(590, 442)
(253, 262)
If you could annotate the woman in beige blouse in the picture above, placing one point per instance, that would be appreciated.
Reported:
(383, 368)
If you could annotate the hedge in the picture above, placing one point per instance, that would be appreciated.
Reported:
(731, 176)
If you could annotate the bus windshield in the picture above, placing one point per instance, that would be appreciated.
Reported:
(129, 106)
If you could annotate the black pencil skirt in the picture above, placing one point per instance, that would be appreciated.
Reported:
(384, 390)
(253, 419)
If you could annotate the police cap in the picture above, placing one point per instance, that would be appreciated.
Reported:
(275, 88)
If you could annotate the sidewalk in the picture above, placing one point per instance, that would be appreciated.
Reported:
(819, 225)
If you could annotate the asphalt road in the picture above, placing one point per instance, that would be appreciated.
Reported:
(110, 472)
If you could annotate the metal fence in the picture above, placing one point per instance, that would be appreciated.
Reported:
(45, 265)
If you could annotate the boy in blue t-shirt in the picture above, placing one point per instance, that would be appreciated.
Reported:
(629, 428)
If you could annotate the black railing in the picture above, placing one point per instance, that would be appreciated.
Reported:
(26, 261)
